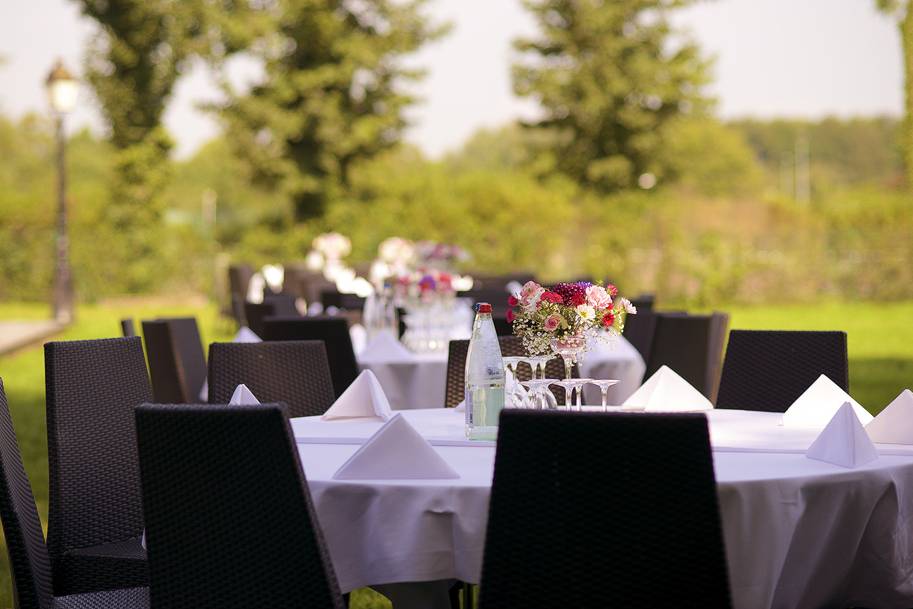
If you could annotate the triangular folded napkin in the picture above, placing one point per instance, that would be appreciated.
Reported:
(246, 335)
(894, 424)
(817, 405)
(668, 392)
(396, 451)
(384, 346)
(364, 398)
(243, 397)
(843, 441)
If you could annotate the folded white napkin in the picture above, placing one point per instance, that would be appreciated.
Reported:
(843, 441)
(364, 398)
(243, 397)
(666, 391)
(515, 394)
(244, 335)
(396, 451)
(817, 405)
(894, 424)
(461, 407)
(384, 346)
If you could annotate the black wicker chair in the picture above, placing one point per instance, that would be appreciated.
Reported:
(502, 327)
(642, 531)
(230, 523)
(273, 305)
(692, 345)
(767, 370)
(293, 372)
(454, 389)
(30, 565)
(95, 515)
(333, 331)
(127, 328)
(177, 361)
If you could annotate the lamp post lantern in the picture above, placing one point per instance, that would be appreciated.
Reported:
(63, 89)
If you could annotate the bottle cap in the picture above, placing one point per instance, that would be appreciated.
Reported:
(483, 307)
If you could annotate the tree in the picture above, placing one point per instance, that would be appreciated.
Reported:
(902, 10)
(610, 77)
(332, 93)
(133, 64)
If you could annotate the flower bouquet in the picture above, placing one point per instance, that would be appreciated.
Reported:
(560, 319)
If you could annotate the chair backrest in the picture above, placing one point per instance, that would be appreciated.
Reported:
(639, 331)
(692, 345)
(177, 361)
(348, 302)
(496, 297)
(294, 372)
(333, 331)
(92, 387)
(502, 327)
(28, 555)
(273, 305)
(239, 276)
(229, 519)
(455, 389)
(127, 327)
(644, 302)
(767, 370)
(592, 509)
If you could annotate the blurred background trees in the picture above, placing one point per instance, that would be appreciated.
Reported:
(315, 145)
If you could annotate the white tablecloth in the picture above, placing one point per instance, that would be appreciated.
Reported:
(413, 382)
(799, 533)
(418, 381)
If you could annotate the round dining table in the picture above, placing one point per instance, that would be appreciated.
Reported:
(417, 380)
(799, 533)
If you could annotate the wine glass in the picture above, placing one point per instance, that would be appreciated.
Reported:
(604, 385)
(517, 396)
(569, 348)
(540, 395)
(570, 387)
(537, 364)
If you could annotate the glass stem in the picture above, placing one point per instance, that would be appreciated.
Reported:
(605, 391)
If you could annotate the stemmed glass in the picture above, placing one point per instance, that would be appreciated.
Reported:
(570, 387)
(569, 348)
(518, 397)
(539, 394)
(537, 364)
(604, 385)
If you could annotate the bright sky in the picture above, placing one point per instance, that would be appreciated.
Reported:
(806, 58)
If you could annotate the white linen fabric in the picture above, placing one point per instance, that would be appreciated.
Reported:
(894, 424)
(414, 381)
(818, 404)
(799, 533)
(363, 398)
(615, 359)
(243, 397)
(843, 441)
(384, 346)
(666, 391)
(396, 451)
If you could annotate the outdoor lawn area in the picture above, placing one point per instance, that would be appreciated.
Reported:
(880, 348)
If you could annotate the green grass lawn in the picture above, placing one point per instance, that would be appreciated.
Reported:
(880, 347)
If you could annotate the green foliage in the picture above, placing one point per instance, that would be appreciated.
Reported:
(902, 10)
(851, 152)
(332, 94)
(611, 77)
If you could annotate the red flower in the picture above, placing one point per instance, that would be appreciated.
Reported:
(510, 315)
(608, 320)
(577, 299)
(552, 297)
(612, 290)
(512, 301)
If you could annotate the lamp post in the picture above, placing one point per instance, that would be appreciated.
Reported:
(62, 88)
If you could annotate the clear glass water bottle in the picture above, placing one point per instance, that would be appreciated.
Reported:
(484, 378)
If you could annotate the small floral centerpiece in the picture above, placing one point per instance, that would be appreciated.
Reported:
(545, 317)
(423, 285)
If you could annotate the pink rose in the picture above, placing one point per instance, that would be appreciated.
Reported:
(552, 322)
(597, 297)
(530, 294)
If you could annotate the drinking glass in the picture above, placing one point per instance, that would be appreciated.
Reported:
(539, 394)
(518, 397)
(569, 348)
(570, 387)
(537, 364)
(604, 385)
